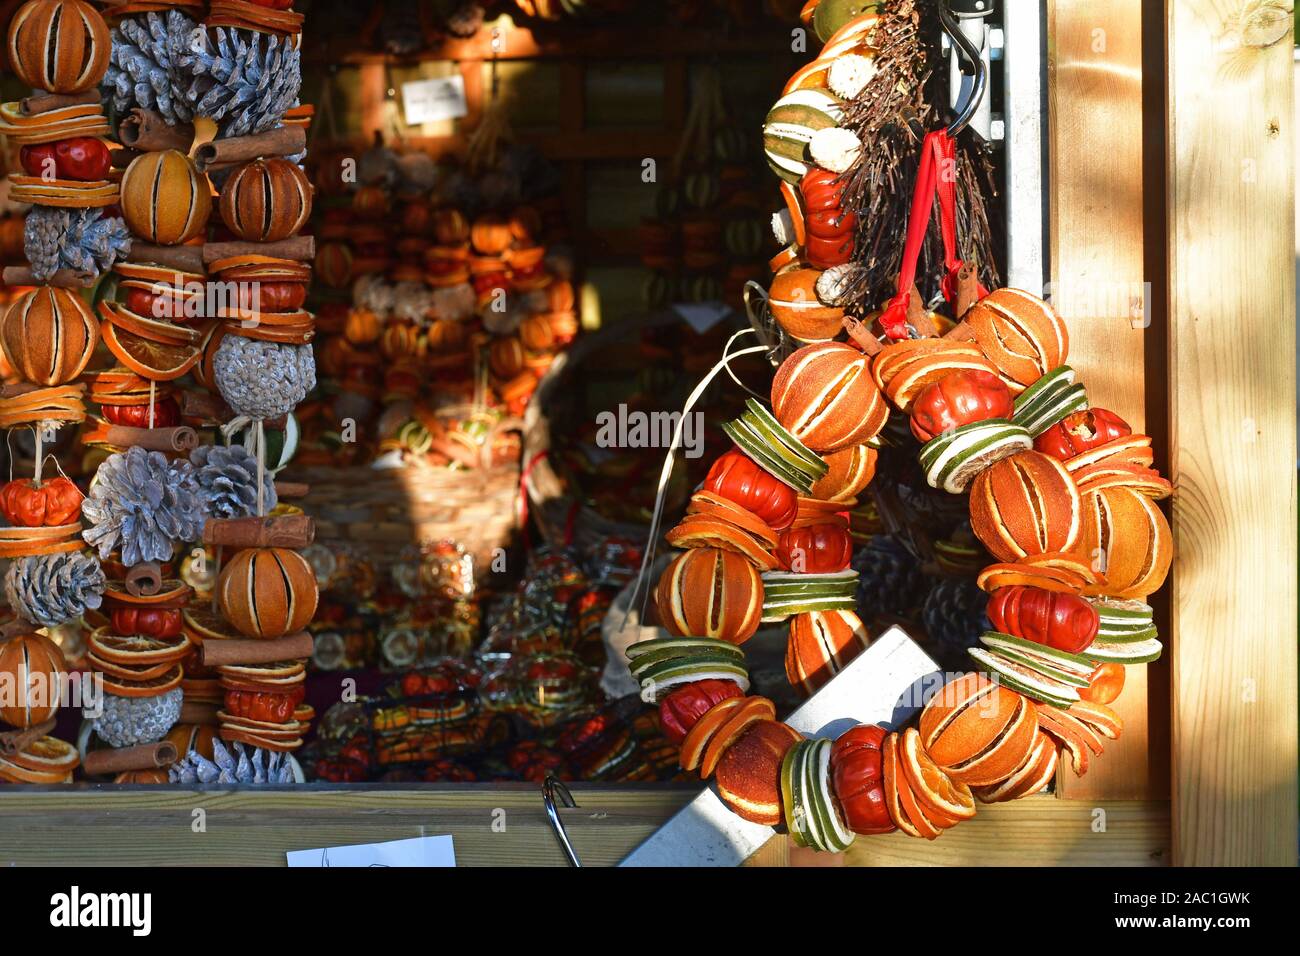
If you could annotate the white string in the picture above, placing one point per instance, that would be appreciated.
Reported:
(667, 470)
(726, 349)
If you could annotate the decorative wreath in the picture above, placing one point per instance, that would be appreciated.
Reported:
(1062, 494)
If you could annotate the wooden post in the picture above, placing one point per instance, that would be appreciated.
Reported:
(1231, 195)
(1096, 229)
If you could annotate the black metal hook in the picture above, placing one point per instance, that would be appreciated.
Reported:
(972, 54)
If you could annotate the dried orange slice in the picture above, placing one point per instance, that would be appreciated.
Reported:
(137, 650)
(697, 738)
(257, 740)
(907, 801)
(155, 687)
(155, 330)
(47, 755)
(1048, 578)
(892, 772)
(15, 774)
(173, 594)
(156, 361)
(126, 672)
(750, 712)
(945, 802)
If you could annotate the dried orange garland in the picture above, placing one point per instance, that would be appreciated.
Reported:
(1061, 494)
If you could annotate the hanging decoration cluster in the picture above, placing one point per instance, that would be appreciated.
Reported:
(205, 119)
(59, 48)
(1060, 493)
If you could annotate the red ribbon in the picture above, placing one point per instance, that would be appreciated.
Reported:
(570, 520)
(936, 175)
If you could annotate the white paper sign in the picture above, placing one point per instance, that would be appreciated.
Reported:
(702, 316)
(427, 101)
(883, 685)
(417, 851)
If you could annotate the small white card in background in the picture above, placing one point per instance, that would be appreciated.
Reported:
(702, 316)
(417, 851)
(427, 101)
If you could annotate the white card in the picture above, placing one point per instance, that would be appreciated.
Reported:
(417, 851)
(427, 101)
(702, 316)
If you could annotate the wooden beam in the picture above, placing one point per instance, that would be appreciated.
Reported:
(1096, 229)
(1231, 195)
(1035, 831)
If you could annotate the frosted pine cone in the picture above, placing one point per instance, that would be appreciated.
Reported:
(244, 80)
(144, 68)
(263, 380)
(51, 589)
(227, 479)
(246, 765)
(143, 505)
(127, 721)
(83, 240)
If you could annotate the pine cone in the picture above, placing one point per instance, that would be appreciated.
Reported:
(954, 619)
(144, 67)
(51, 589)
(242, 79)
(143, 504)
(227, 479)
(84, 240)
(252, 766)
(127, 721)
(263, 379)
(890, 581)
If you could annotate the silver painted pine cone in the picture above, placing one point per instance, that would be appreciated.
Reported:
(227, 479)
(263, 380)
(142, 504)
(127, 721)
(50, 589)
(246, 765)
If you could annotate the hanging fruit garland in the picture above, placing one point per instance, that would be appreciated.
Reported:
(1061, 494)
(72, 234)
(221, 105)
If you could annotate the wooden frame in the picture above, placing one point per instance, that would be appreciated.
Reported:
(1172, 172)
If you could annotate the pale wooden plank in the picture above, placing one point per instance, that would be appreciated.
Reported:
(153, 827)
(1035, 831)
(1230, 197)
(1096, 223)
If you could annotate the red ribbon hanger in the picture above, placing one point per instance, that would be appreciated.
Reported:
(937, 175)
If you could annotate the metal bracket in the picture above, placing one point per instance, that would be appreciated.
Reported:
(552, 786)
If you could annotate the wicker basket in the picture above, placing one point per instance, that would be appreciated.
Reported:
(384, 510)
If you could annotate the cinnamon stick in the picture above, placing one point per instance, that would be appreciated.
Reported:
(237, 651)
(144, 579)
(198, 712)
(283, 141)
(175, 438)
(204, 406)
(961, 332)
(298, 248)
(62, 278)
(147, 131)
(862, 335)
(281, 531)
(967, 289)
(108, 762)
(291, 489)
(39, 103)
(16, 741)
(182, 258)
